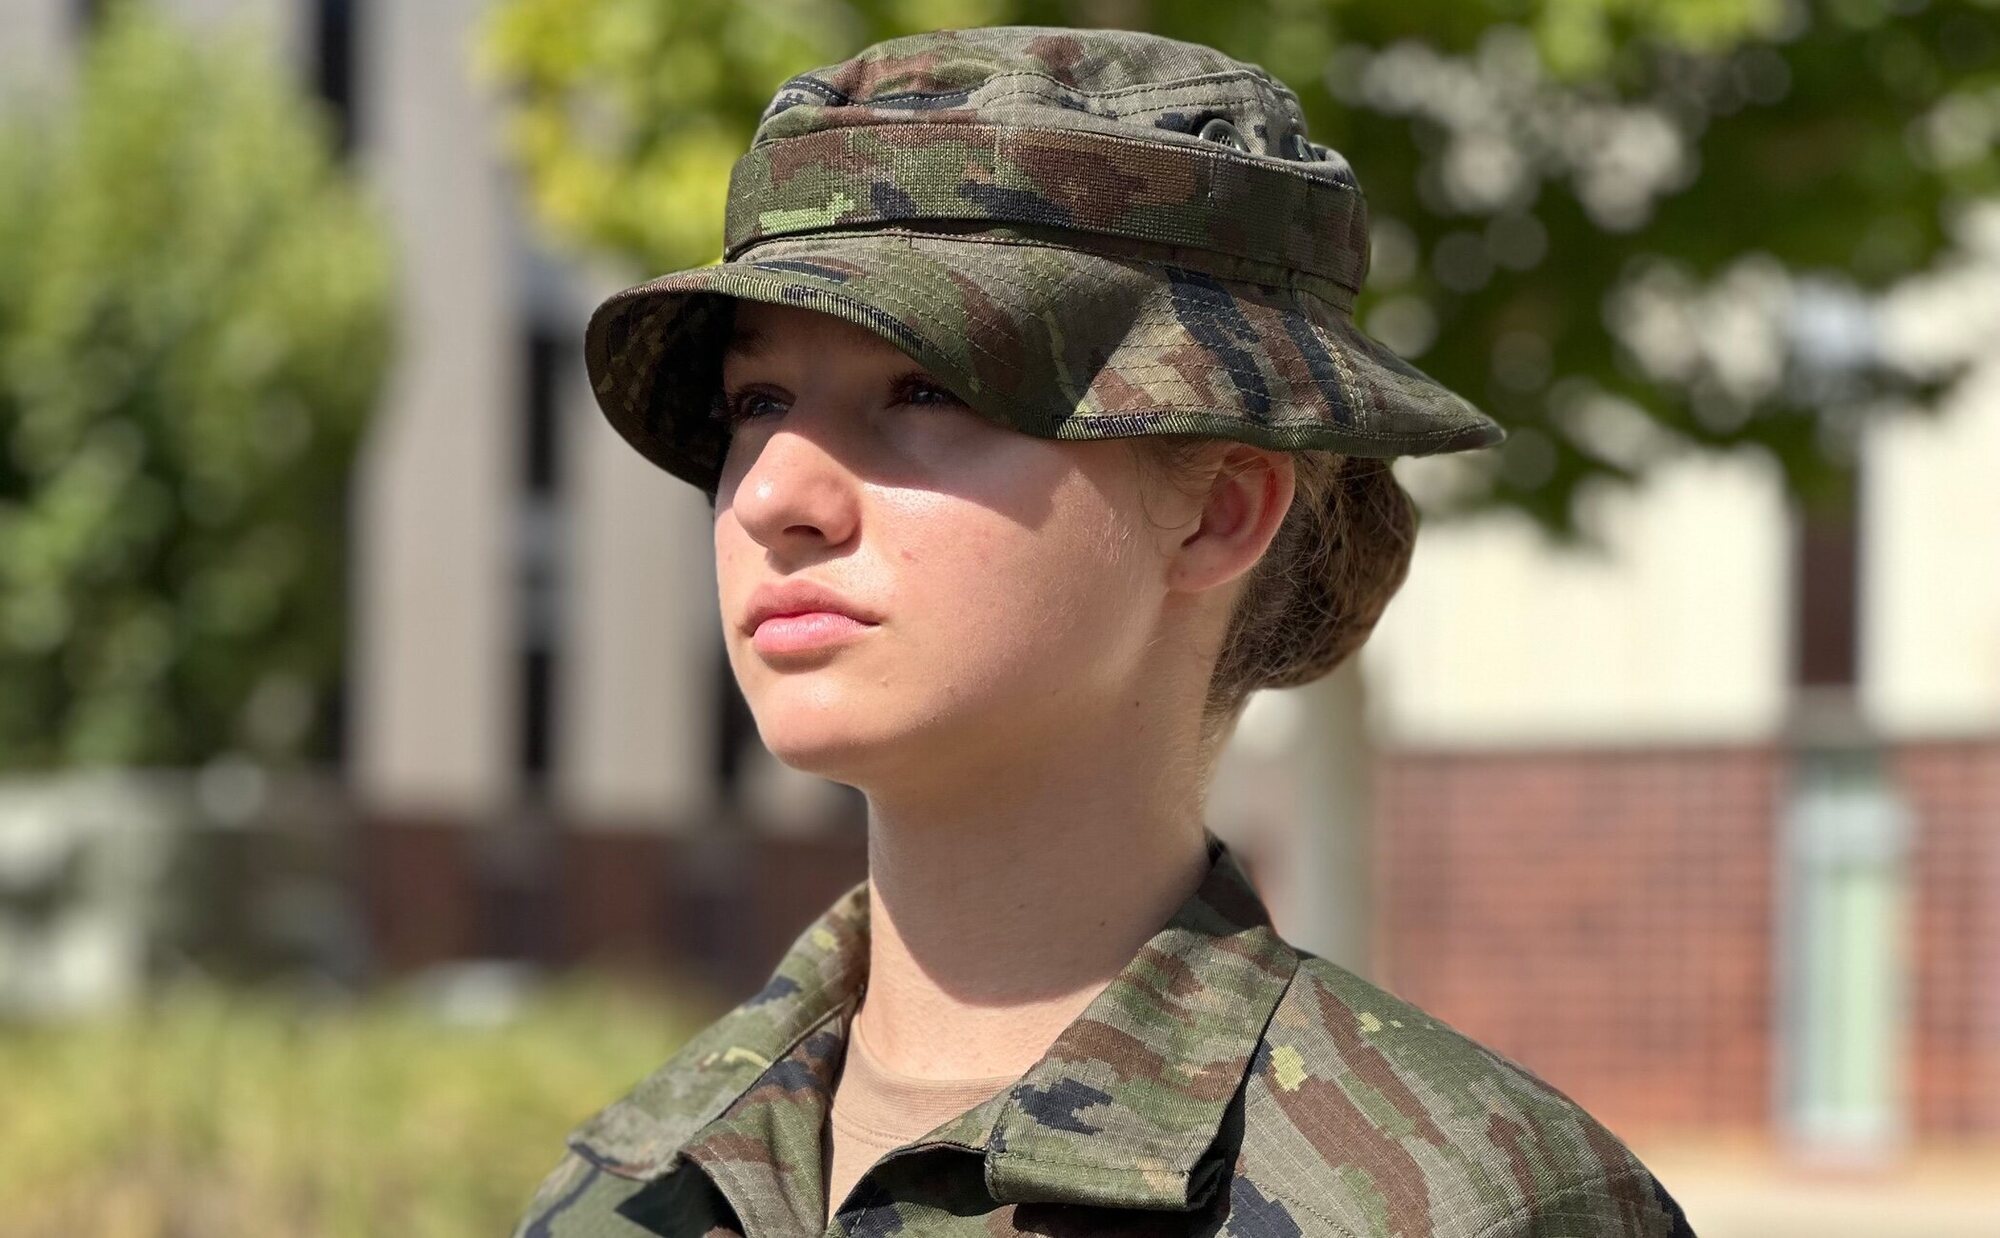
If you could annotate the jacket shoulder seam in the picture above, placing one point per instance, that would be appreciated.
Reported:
(1537, 1209)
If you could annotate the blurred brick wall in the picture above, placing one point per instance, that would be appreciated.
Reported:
(1606, 919)
(713, 907)
(1955, 791)
(1602, 917)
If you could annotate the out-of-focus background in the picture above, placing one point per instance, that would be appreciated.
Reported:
(375, 802)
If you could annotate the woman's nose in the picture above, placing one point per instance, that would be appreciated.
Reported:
(796, 488)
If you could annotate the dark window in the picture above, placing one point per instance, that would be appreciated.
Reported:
(1826, 595)
(333, 64)
(734, 737)
(537, 713)
(546, 353)
(83, 17)
(538, 558)
(333, 61)
(334, 705)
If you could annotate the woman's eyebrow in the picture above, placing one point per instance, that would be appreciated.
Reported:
(746, 342)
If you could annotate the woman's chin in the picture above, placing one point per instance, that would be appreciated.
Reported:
(860, 743)
(836, 745)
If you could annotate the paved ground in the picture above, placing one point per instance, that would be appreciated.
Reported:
(1746, 1190)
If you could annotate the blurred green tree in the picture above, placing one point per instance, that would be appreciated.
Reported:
(194, 321)
(1626, 229)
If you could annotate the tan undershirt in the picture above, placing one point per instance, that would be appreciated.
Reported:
(876, 1110)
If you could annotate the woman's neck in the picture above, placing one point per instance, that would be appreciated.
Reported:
(990, 931)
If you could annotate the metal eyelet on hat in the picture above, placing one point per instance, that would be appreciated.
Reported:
(1220, 130)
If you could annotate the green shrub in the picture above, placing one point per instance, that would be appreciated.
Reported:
(219, 1113)
(195, 319)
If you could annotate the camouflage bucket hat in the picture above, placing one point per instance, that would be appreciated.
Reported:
(1082, 233)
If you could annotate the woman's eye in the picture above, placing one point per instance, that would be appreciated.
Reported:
(915, 390)
(740, 406)
(732, 408)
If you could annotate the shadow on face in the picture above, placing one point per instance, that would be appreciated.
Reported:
(1012, 576)
(806, 391)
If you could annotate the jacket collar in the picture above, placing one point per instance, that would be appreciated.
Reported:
(1118, 1112)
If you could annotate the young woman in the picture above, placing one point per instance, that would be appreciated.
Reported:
(1039, 436)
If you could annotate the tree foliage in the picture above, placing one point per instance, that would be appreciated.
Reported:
(1627, 229)
(194, 319)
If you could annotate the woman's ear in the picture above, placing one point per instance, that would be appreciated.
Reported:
(1249, 491)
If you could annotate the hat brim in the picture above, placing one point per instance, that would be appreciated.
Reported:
(1050, 340)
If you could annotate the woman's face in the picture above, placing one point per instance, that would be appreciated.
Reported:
(1010, 585)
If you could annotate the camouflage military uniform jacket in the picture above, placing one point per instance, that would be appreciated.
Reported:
(1224, 1083)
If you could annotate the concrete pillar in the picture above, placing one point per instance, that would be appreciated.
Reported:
(643, 648)
(434, 697)
(35, 47)
(1333, 878)
(1292, 792)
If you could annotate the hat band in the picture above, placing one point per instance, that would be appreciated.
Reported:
(1176, 193)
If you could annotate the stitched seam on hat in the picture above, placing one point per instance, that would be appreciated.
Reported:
(1193, 255)
(1183, 257)
(1288, 273)
(1027, 92)
(1149, 88)
(1117, 416)
(1357, 389)
(1213, 150)
(902, 227)
(1141, 88)
(1290, 424)
(814, 84)
(1286, 423)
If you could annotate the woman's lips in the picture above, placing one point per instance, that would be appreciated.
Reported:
(811, 630)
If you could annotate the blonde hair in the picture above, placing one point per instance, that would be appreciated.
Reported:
(1340, 554)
